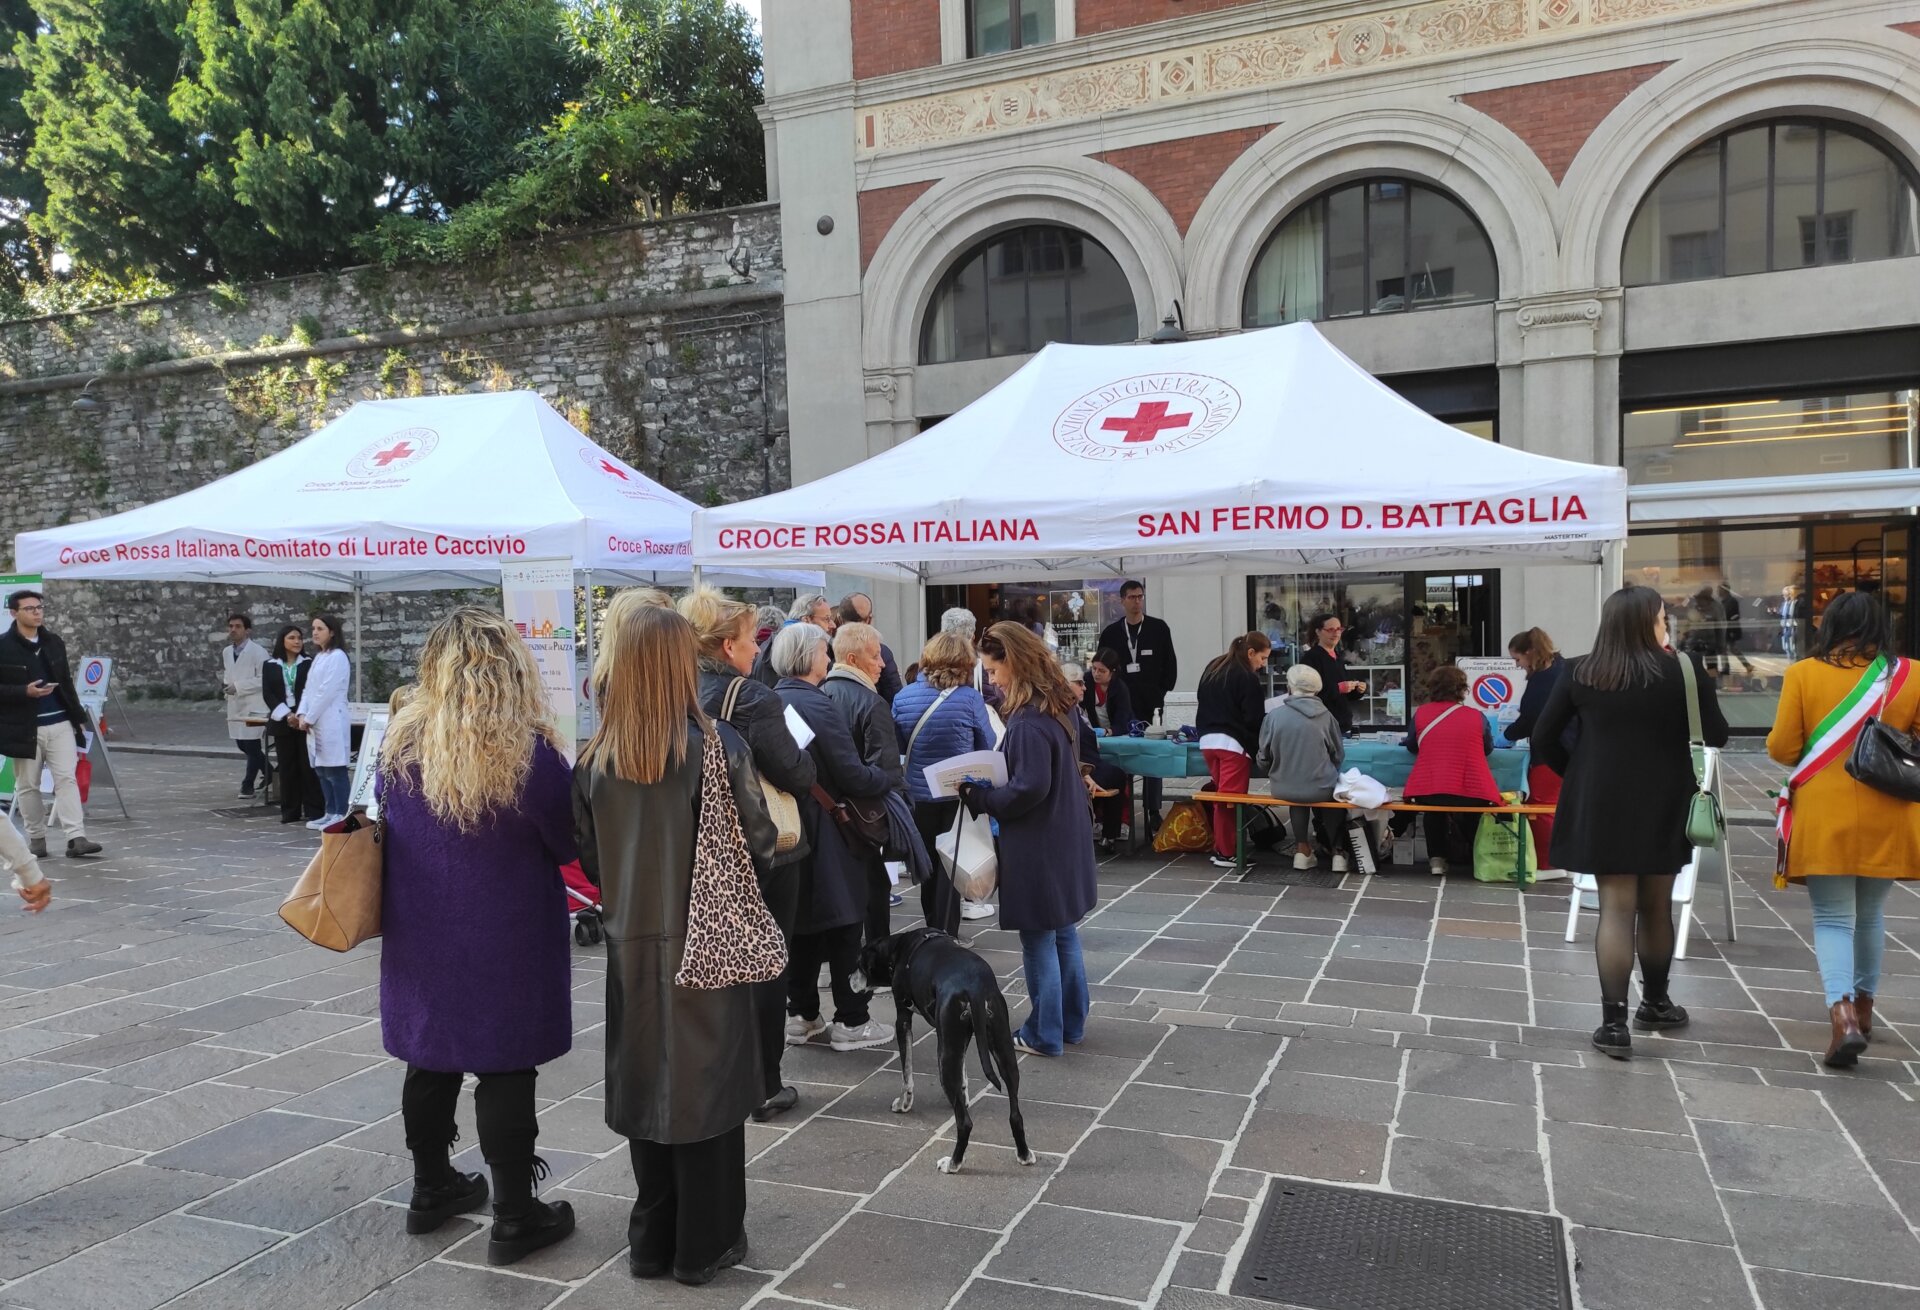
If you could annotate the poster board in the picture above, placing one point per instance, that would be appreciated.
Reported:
(367, 765)
(1494, 686)
(537, 597)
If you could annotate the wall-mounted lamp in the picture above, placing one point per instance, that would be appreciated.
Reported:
(1172, 329)
(86, 404)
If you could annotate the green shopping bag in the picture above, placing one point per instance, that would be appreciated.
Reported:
(1498, 845)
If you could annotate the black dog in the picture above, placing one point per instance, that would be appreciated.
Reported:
(956, 992)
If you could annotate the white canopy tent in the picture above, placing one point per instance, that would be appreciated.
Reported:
(1266, 451)
(415, 494)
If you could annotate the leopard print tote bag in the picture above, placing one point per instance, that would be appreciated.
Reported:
(731, 935)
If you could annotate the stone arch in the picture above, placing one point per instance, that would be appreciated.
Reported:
(1491, 171)
(1107, 204)
(1862, 80)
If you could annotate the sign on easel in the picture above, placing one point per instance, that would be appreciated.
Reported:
(1494, 686)
(537, 597)
(94, 676)
(360, 796)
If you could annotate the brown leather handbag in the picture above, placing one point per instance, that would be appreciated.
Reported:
(731, 935)
(336, 903)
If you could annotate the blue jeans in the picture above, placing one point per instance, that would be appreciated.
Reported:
(1849, 932)
(335, 782)
(1056, 988)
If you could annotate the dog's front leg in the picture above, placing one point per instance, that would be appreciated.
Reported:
(903, 1034)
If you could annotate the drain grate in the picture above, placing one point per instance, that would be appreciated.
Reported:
(248, 812)
(1292, 878)
(1335, 1248)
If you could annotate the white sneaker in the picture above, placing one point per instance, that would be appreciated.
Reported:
(1549, 875)
(1339, 862)
(801, 1031)
(1303, 861)
(870, 1033)
(977, 910)
(324, 821)
(1437, 867)
(1225, 862)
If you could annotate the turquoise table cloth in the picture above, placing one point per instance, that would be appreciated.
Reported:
(1388, 761)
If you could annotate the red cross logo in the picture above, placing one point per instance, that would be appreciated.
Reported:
(609, 466)
(1147, 422)
(401, 450)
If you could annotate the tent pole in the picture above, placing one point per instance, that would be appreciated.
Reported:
(359, 665)
(696, 577)
(920, 637)
(587, 575)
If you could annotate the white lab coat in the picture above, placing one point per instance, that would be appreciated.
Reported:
(242, 682)
(324, 707)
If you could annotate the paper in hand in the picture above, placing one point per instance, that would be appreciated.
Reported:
(796, 725)
(945, 776)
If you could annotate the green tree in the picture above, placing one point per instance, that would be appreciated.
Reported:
(22, 258)
(199, 140)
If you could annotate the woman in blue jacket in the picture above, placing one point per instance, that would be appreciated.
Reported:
(1533, 651)
(938, 716)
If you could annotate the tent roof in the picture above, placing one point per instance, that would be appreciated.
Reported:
(1260, 451)
(404, 495)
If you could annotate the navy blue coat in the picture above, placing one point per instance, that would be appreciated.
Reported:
(833, 879)
(1046, 827)
(959, 727)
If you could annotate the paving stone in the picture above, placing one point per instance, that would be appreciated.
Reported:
(122, 1046)
(363, 1097)
(1446, 1073)
(437, 1286)
(234, 1012)
(47, 1164)
(1216, 1115)
(298, 1071)
(989, 1192)
(1606, 1181)
(52, 1227)
(180, 1067)
(1816, 1166)
(67, 1104)
(784, 1221)
(308, 1190)
(1474, 1003)
(1613, 1098)
(1477, 1123)
(1627, 1271)
(1457, 1171)
(251, 1145)
(1851, 1241)
(1736, 1103)
(1312, 1146)
(287, 1031)
(140, 1269)
(1075, 1250)
(615, 1288)
(25, 1077)
(600, 1233)
(337, 1264)
(1212, 1060)
(1345, 1059)
(1328, 1097)
(169, 1120)
(840, 1154)
(1784, 1291)
(1139, 1173)
(992, 1294)
(1075, 1078)
(879, 1262)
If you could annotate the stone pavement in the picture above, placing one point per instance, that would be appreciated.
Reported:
(195, 1110)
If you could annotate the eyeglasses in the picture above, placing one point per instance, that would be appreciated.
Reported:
(29, 609)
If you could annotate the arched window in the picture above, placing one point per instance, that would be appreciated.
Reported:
(1374, 247)
(1793, 193)
(1018, 290)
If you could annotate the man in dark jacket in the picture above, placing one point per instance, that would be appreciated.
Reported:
(807, 608)
(1150, 669)
(851, 686)
(858, 608)
(41, 723)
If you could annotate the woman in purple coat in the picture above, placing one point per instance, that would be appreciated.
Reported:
(475, 971)
(1047, 879)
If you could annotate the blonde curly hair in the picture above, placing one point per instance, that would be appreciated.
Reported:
(464, 738)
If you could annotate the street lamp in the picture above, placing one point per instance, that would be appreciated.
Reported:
(1172, 329)
(84, 403)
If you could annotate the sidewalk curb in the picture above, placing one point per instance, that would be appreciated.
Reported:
(187, 752)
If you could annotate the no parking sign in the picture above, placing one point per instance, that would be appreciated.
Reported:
(1494, 686)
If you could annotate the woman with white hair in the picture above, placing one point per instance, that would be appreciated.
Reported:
(834, 878)
(1301, 751)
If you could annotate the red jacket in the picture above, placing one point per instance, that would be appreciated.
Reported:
(1450, 754)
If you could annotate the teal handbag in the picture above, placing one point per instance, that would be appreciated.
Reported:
(1706, 824)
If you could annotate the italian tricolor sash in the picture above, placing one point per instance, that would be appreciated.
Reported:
(1831, 739)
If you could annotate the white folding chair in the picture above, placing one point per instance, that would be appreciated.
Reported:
(1584, 893)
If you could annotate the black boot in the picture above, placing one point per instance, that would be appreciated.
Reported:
(1658, 1012)
(1611, 1037)
(440, 1192)
(522, 1224)
(700, 1277)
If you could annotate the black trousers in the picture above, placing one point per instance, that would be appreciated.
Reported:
(939, 898)
(1450, 836)
(691, 1200)
(770, 998)
(839, 950)
(299, 784)
(257, 765)
(503, 1111)
(879, 891)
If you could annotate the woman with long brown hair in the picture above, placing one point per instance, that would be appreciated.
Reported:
(476, 966)
(1231, 707)
(1623, 810)
(683, 1064)
(1047, 880)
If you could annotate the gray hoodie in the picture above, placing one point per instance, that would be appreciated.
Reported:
(1301, 749)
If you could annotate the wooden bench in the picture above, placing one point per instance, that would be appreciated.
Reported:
(1243, 801)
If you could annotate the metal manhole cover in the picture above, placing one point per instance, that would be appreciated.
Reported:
(1335, 1248)
(1292, 877)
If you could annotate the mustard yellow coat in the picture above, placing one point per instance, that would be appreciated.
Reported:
(1839, 825)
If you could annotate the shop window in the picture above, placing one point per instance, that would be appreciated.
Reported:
(1375, 247)
(997, 26)
(1785, 194)
(1771, 437)
(1018, 290)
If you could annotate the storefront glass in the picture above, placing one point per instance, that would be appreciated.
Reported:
(1765, 437)
(1068, 615)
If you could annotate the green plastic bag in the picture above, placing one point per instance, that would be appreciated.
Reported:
(1497, 847)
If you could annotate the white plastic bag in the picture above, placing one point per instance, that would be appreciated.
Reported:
(1360, 791)
(966, 853)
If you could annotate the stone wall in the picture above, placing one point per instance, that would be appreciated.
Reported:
(661, 340)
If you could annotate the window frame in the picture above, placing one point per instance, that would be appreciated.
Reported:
(981, 250)
(1822, 127)
(1016, 10)
(1366, 185)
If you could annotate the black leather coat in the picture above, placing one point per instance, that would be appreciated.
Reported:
(833, 879)
(19, 712)
(760, 716)
(683, 1065)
